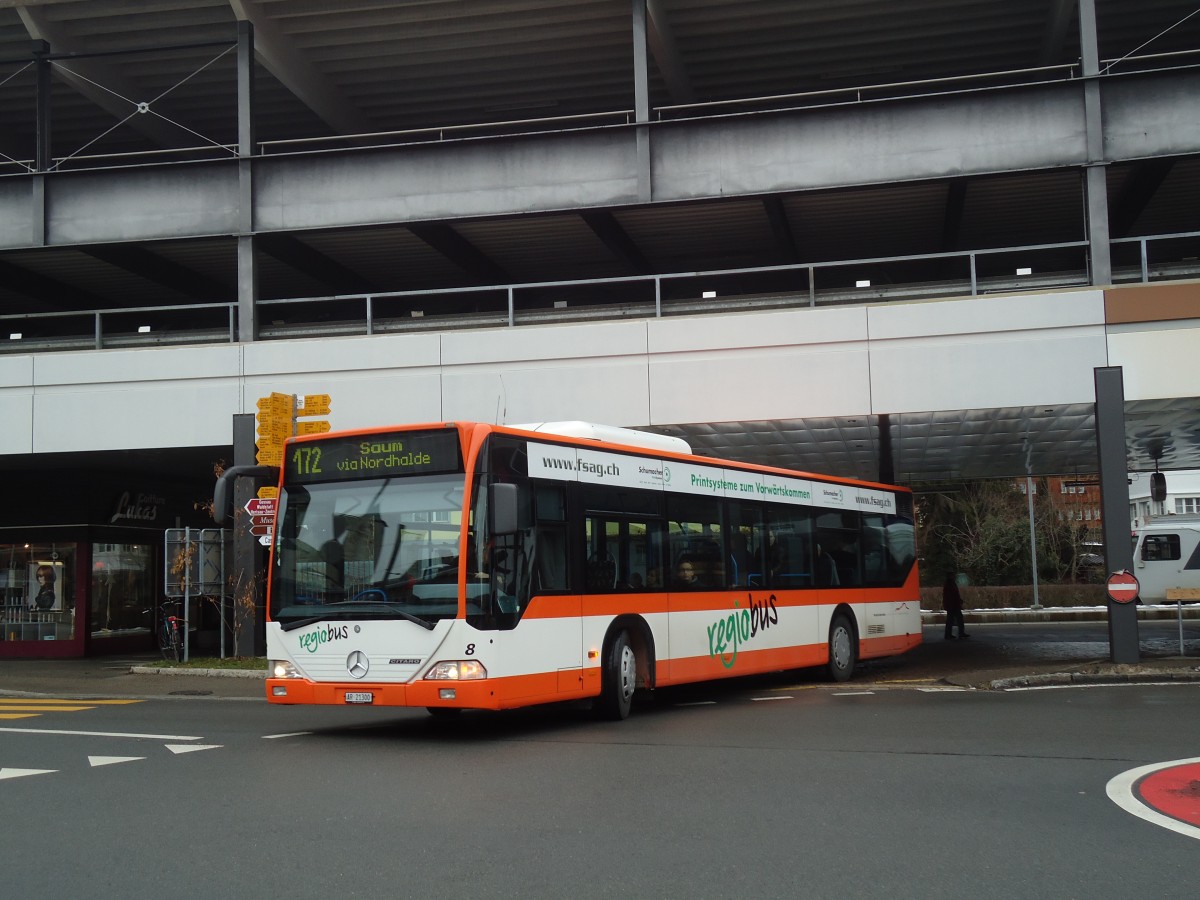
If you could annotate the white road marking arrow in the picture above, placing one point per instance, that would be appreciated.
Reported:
(188, 748)
(21, 773)
(94, 761)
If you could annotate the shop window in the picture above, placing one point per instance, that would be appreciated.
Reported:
(122, 589)
(38, 593)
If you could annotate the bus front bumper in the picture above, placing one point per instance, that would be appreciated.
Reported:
(452, 695)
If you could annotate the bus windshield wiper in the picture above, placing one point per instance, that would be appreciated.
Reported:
(391, 607)
(300, 623)
(405, 614)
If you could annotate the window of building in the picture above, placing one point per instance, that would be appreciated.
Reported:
(122, 589)
(1186, 505)
(38, 591)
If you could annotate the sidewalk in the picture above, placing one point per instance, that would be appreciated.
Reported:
(124, 677)
(985, 663)
(1170, 611)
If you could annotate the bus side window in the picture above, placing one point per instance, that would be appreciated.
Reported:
(789, 547)
(747, 534)
(550, 546)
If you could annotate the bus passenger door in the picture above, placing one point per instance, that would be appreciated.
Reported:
(552, 627)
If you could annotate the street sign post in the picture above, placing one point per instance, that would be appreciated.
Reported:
(1122, 587)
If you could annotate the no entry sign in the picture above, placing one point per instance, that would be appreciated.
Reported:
(1122, 587)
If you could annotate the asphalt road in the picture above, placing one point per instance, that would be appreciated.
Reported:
(772, 787)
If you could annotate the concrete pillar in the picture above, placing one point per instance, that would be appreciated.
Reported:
(641, 100)
(1095, 186)
(247, 263)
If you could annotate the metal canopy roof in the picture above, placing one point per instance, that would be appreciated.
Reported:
(327, 70)
(958, 445)
(382, 65)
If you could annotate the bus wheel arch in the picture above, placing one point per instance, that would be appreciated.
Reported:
(627, 663)
(843, 644)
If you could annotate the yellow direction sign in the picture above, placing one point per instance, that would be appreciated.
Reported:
(314, 405)
(274, 427)
(320, 426)
(276, 402)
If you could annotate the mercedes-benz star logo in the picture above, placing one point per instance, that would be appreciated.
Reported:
(357, 664)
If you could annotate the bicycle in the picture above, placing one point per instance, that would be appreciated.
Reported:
(170, 632)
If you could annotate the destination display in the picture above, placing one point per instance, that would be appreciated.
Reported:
(373, 456)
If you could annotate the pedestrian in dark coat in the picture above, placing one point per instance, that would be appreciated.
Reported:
(953, 605)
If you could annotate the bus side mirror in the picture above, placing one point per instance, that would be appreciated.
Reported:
(502, 502)
(223, 492)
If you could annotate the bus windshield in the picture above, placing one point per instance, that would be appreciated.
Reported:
(372, 548)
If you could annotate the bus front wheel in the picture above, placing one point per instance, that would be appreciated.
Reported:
(620, 679)
(842, 649)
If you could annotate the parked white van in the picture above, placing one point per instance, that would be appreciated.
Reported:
(1166, 554)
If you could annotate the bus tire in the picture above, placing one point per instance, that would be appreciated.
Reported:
(843, 649)
(620, 679)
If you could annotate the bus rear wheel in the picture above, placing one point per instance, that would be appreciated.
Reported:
(843, 651)
(620, 679)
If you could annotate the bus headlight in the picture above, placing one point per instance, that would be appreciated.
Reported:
(281, 668)
(457, 670)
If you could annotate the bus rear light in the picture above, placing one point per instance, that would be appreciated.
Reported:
(281, 668)
(457, 670)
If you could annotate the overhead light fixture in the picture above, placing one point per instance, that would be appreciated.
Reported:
(709, 295)
(1025, 270)
(15, 336)
(143, 329)
(560, 304)
(864, 282)
(417, 313)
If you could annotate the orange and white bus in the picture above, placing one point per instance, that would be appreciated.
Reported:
(470, 566)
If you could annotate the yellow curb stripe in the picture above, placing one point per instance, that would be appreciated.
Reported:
(39, 708)
(23, 701)
(17, 715)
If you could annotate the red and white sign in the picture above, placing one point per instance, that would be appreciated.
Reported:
(262, 506)
(1122, 587)
(262, 518)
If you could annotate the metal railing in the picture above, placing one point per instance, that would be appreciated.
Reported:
(824, 283)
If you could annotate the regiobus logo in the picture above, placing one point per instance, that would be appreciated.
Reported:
(739, 627)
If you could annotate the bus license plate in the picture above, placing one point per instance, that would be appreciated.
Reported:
(360, 697)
